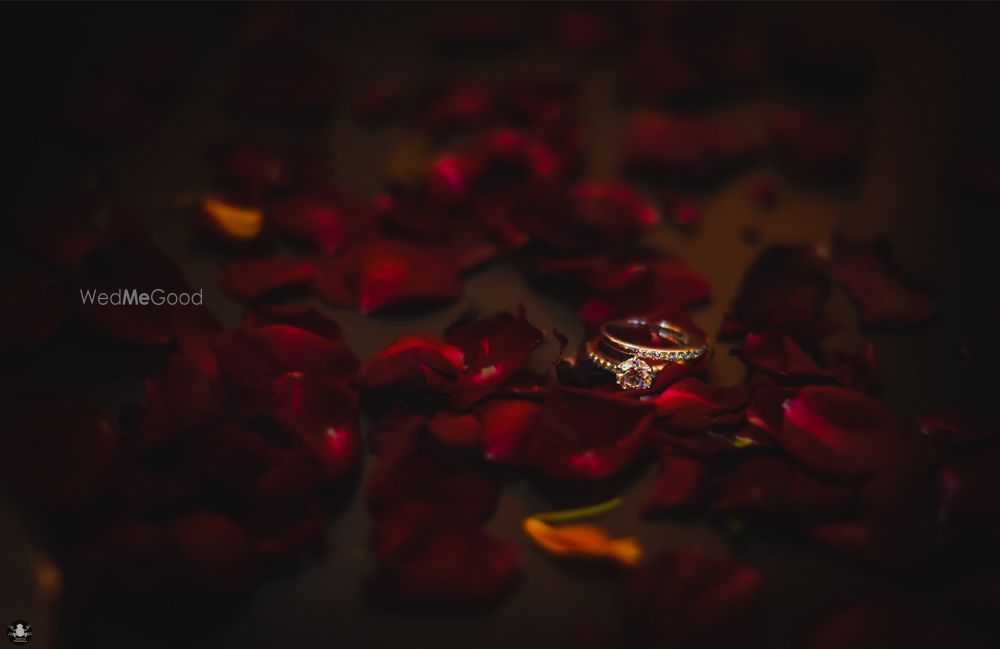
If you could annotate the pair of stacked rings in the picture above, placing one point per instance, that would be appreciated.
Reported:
(634, 364)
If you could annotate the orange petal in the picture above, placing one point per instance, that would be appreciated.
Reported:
(589, 541)
(240, 223)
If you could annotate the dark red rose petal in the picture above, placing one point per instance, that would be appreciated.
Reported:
(384, 275)
(257, 165)
(779, 355)
(967, 488)
(434, 563)
(611, 209)
(879, 623)
(955, 429)
(129, 563)
(456, 429)
(681, 484)
(254, 278)
(458, 108)
(685, 599)
(582, 434)
(494, 348)
(303, 317)
(690, 405)
(291, 475)
(885, 296)
(134, 264)
(813, 145)
(840, 431)
(777, 486)
(856, 370)
(215, 556)
(251, 358)
(322, 413)
(286, 527)
(784, 290)
(328, 220)
(506, 432)
(228, 455)
(685, 148)
(713, 443)
(65, 452)
(413, 365)
(655, 73)
(406, 477)
(68, 235)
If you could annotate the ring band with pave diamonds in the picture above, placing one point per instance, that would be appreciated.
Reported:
(635, 365)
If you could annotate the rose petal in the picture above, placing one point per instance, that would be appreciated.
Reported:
(506, 431)
(840, 431)
(215, 556)
(681, 484)
(885, 296)
(582, 541)
(303, 317)
(582, 434)
(816, 146)
(493, 348)
(878, 622)
(322, 413)
(784, 290)
(777, 486)
(456, 430)
(686, 148)
(327, 220)
(251, 358)
(432, 563)
(779, 355)
(256, 165)
(231, 222)
(384, 275)
(691, 405)
(413, 365)
(254, 278)
(679, 598)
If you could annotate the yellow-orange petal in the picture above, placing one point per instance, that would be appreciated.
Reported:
(586, 541)
(240, 223)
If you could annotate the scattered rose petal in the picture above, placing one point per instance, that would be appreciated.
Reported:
(582, 541)
(681, 484)
(413, 365)
(690, 405)
(779, 355)
(384, 275)
(680, 598)
(581, 434)
(886, 297)
(232, 222)
(840, 431)
(328, 220)
(254, 278)
(784, 290)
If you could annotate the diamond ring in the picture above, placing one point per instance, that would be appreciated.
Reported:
(635, 350)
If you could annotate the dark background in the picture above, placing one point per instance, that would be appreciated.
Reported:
(932, 103)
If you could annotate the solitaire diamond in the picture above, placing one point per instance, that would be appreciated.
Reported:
(634, 374)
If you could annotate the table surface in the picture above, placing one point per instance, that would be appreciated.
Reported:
(927, 104)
